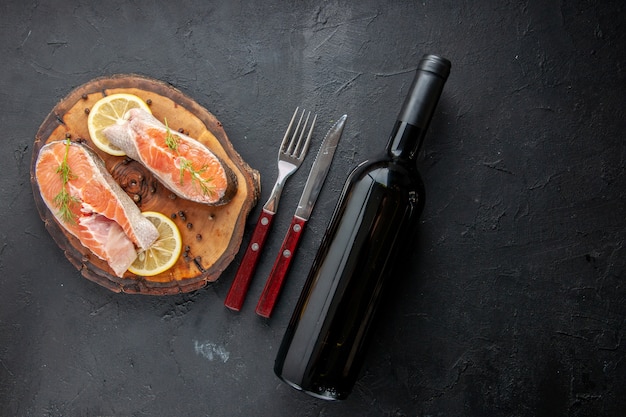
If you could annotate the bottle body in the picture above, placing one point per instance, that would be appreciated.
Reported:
(325, 342)
(372, 225)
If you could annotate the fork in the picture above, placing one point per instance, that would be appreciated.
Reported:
(290, 155)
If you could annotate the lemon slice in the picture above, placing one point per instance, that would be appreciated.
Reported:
(108, 111)
(164, 252)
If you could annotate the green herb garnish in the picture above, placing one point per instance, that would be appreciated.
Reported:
(170, 140)
(196, 176)
(64, 200)
(186, 165)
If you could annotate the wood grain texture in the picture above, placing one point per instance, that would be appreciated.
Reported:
(240, 285)
(211, 235)
(276, 280)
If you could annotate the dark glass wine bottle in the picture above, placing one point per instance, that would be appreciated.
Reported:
(375, 219)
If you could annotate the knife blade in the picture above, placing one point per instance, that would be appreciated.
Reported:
(311, 191)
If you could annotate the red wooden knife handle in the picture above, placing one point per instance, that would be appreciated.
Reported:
(274, 283)
(237, 293)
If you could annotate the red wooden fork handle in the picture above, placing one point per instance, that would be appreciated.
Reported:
(274, 283)
(239, 288)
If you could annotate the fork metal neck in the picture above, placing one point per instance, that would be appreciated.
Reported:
(285, 169)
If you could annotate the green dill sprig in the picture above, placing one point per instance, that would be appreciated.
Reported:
(196, 176)
(64, 200)
(170, 140)
(186, 165)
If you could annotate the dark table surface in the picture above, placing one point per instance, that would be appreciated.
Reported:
(514, 300)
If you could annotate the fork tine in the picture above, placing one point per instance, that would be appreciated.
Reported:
(307, 142)
(296, 148)
(283, 144)
(292, 142)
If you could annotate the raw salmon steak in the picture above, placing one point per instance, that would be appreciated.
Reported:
(97, 211)
(182, 164)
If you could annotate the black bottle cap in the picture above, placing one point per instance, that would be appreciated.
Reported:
(435, 64)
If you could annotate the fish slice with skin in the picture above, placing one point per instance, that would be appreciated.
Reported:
(102, 216)
(182, 164)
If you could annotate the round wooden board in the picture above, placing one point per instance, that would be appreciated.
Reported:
(211, 235)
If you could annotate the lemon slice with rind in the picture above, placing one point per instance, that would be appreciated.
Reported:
(164, 252)
(108, 111)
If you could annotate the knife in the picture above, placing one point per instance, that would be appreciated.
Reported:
(312, 189)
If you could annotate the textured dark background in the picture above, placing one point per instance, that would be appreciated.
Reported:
(514, 301)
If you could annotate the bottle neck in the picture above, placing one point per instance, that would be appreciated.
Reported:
(418, 108)
(405, 140)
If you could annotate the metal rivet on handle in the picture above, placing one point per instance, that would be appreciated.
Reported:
(286, 253)
(255, 247)
(296, 228)
(264, 221)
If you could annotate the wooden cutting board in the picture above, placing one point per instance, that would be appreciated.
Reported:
(211, 235)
